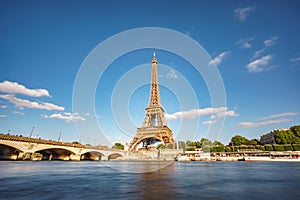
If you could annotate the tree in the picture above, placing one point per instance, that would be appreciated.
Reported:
(217, 147)
(278, 147)
(205, 144)
(181, 145)
(205, 141)
(163, 146)
(296, 147)
(252, 142)
(217, 143)
(239, 140)
(160, 146)
(286, 137)
(197, 144)
(288, 147)
(268, 147)
(228, 149)
(118, 146)
(296, 130)
(190, 149)
(189, 143)
(259, 147)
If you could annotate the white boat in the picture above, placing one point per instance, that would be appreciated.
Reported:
(270, 159)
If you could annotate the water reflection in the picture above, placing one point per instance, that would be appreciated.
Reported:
(137, 166)
(158, 184)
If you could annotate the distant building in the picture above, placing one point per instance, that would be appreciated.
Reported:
(269, 138)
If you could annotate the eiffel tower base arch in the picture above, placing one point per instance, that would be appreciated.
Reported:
(163, 135)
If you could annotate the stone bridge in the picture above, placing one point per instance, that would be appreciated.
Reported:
(23, 148)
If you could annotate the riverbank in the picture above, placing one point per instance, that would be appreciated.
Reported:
(248, 156)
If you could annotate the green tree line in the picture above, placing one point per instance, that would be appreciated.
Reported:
(286, 140)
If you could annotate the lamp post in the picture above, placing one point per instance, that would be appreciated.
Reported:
(31, 132)
(59, 137)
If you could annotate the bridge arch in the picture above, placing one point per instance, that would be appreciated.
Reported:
(114, 156)
(8, 152)
(92, 155)
(55, 153)
(18, 146)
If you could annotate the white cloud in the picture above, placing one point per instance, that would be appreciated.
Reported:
(16, 88)
(279, 115)
(172, 74)
(218, 59)
(227, 113)
(245, 43)
(191, 114)
(87, 114)
(68, 117)
(209, 122)
(268, 120)
(18, 113)
(260, 64)
(257, 124)
(296, 59)
(242, 13)
(29, 104)
(3, 106)
(2, 116)
(271, 41)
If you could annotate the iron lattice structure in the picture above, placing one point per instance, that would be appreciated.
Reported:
(154, 127)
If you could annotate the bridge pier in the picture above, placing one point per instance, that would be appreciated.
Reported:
(104, 158)
(75, 157)
(27, 156)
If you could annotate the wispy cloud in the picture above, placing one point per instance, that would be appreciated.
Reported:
(18, 113)
(258, 53)
(191, 114)
(2, 116)
(209, 122)
(260, 64)
(227, 113)
(296, 59)
(257, 124)
(242, 13)
(30, 104)
(272, 119)
(245, 43)
(3, 106)
(218, 59)
(279, 115)
(172, 74)
(68, 117)
(16, 88)
(271, 41)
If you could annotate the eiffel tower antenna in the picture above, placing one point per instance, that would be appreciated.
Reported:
(154, 127)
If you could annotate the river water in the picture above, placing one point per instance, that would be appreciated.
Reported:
(122, 180)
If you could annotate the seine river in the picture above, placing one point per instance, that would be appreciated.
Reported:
(122, 180)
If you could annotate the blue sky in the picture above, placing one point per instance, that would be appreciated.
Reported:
(254, 44)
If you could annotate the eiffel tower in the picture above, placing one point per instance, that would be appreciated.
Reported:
(154, 127)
